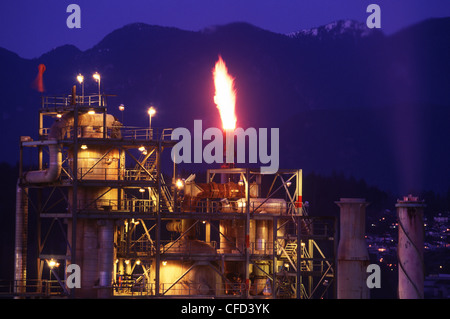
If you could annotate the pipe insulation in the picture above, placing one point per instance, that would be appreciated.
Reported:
(53, 171)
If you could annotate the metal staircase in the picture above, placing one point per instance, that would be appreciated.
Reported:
(148, 162)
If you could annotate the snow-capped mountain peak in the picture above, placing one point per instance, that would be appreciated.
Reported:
(337, 28)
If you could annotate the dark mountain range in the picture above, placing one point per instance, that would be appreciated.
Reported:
(346, 98)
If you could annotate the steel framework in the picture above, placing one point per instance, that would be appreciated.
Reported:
(296, 263)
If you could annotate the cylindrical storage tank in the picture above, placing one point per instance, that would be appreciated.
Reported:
(353, 256)
(87, 250)
(105, 257)
(262, 236)
(97, 163)
(94, 239)
(257, 205)
(270, 205)
(227, 237)
(200, 280)
(411, 273)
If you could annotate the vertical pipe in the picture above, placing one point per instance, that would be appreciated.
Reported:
(410, 248)
(21, 236)
(274, 255)
(39, 245)
(73, 254)
(353, 256)
(158, 221)
(105, 127)
(247, 232)
(299, 257)
(335, 250)
(299, 180)
(106, 257)
(225, 235)
(88, 257)
(299, 208)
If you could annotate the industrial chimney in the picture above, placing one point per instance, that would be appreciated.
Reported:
(410, 248)
(353, 256)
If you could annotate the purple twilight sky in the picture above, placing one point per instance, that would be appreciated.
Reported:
(33, 27)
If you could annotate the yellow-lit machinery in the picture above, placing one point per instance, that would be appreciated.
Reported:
(102, 202)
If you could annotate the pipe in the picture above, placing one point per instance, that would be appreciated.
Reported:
(353, 256)
(175, 226)
(88, 255)
(410, 248)
(57, 132)
(53, 171)
(20, 254)
(105, 256)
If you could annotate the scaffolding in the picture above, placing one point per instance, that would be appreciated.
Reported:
(127, 187)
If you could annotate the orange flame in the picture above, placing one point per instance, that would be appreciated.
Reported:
(38, 83)
(225, 96)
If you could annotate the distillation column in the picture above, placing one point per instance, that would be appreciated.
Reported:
(353, 256)
(95, 237)
(410, 248)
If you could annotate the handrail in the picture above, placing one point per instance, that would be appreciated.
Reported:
(31, 287)
(116, 132)
(91, 100)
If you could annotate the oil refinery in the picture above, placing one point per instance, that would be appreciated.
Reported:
(101, 201)
(133, 232)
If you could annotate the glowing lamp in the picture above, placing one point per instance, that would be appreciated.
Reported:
(96, 76)
(179, 183)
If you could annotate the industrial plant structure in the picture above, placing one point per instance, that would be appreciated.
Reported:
(136, 231)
